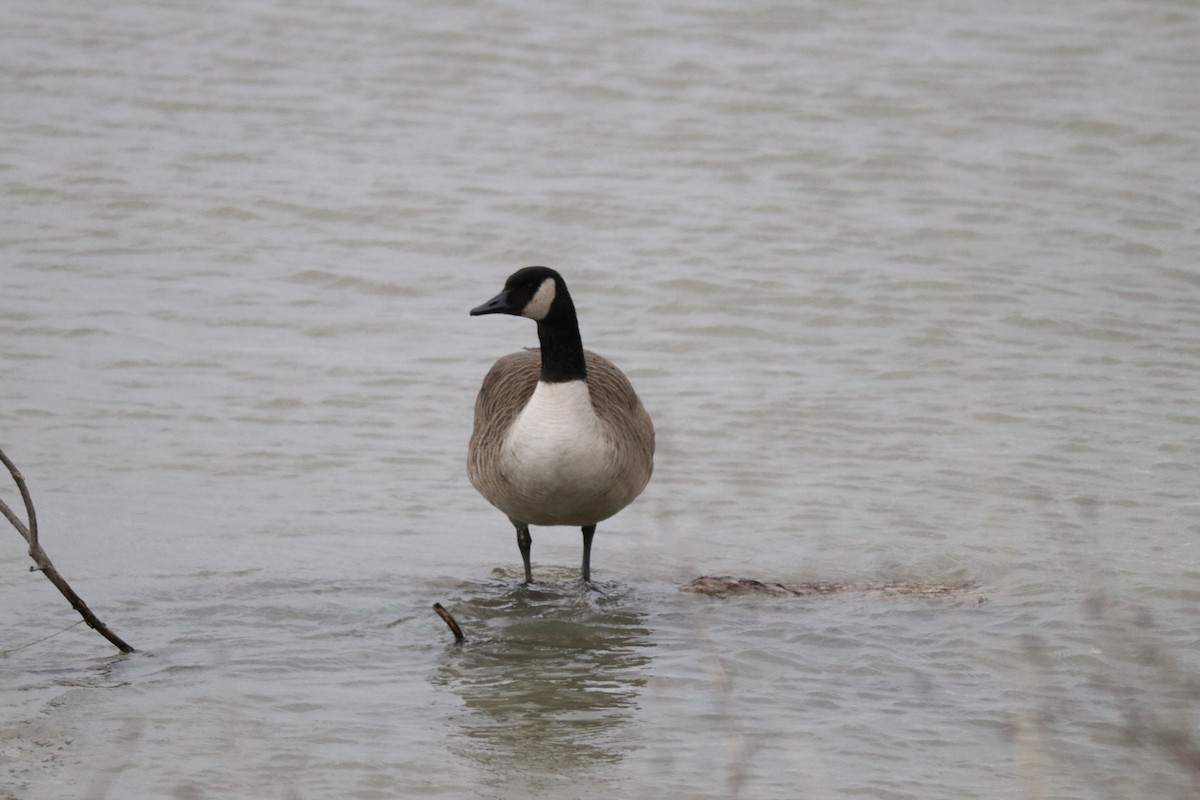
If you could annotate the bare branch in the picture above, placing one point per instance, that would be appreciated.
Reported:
(43, 562)
(30, 533)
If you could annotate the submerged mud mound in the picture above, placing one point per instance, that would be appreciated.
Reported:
(723, 586)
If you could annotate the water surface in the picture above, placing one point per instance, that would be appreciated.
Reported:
(911, 294)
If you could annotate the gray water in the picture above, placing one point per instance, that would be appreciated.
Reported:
(912, 292)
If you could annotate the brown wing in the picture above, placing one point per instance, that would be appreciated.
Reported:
(506, 389)
(620, 409)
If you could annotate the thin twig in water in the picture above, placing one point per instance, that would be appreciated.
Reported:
(43, 563)
(450, 621)
(7, 653)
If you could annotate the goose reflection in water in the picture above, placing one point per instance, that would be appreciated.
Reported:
(549, 677)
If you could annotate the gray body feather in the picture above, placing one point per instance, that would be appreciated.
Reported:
(620, 456)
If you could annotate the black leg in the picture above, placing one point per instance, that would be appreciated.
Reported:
(588, 532)
(525, 543)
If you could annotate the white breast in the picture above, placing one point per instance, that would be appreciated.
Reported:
(558, 460)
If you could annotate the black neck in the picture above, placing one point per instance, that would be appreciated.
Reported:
(562, 348)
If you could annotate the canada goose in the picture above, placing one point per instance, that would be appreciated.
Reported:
(560, 436)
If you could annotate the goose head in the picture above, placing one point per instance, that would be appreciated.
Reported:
(538, 293)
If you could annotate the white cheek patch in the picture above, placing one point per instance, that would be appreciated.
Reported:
(539, 306)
